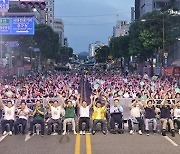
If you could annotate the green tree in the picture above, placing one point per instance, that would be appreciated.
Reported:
(102, 54)
(47, 40)
(119, 46)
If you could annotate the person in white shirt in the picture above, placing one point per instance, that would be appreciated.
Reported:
(177, 115)
(9, 116)
(84, 116)
(135, 116)
(56, 112)
(23, 114)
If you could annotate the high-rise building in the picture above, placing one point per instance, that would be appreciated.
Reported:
(93, 47)
(121, 28)
(145, 6)
(50, 12)
(132, 14)
(59, 28)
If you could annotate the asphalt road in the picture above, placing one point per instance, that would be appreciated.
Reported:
(99, 144)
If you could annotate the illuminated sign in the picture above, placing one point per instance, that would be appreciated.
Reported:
(17, 26)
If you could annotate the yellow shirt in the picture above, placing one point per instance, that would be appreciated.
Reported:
(99, 113)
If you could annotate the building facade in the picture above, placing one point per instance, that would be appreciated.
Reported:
(145, 6)
(50, 12)
(93, 47)
(37, 12)
(59, 28)
(121, 28)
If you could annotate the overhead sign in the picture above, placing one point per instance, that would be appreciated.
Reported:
(12, 44)
(17, 26)
(4, 5)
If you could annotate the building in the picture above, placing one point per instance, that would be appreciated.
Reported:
(132, 14)
(59, 28)
(50, 12)
(37, 12)
(121, 28)
(93, 47)
(145, 6)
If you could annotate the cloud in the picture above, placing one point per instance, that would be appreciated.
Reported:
(81, 36)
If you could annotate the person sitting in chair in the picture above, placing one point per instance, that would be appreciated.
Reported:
(98, 116)
(116, 112)
(38, 118)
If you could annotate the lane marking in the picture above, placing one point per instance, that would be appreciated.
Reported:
(88, 144)
(28, 137)
(171, 141)
(78, 144)
(3, 137)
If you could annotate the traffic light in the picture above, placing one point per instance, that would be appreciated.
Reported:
(38, 4)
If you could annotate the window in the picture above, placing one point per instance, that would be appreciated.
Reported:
(50, 9)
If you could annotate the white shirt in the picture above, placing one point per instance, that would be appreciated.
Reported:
(9, 113)
(56, 112)
(135, 112)
(177, 113)
(84, 111)
(22, 115)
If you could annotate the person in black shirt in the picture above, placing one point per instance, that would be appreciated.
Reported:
(165, 115)
(150, 115)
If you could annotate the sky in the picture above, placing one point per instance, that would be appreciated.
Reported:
(88, 21)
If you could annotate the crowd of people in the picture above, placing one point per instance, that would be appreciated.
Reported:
(55, 99)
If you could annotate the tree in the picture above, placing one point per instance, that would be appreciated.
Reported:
(102, 54)
(47, 40)
(146, 36)
(64, 54)
(119, 46)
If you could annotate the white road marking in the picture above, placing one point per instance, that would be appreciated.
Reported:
(3, 137)
(28, 137)
(171, 141)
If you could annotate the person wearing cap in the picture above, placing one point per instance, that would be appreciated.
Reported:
(9, 115)
(22, 114)
(98, 116)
